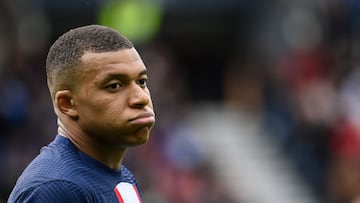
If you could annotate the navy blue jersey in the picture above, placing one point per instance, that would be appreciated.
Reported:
(61, 173)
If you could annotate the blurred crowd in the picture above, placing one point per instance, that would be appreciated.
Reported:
(297, 67)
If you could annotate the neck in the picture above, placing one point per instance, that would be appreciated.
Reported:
(110, 156)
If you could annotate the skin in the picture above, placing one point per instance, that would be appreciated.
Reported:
(109, 109)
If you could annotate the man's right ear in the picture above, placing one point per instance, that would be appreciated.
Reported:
(64, 102)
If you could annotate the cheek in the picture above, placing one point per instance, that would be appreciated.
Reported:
(107, 118)
(95, 108)
(112, 111)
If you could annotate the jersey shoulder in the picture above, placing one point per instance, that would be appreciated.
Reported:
(57, 191)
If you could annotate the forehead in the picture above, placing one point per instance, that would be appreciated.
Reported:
(126, 61)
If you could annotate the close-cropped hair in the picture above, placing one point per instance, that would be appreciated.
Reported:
(64, 55)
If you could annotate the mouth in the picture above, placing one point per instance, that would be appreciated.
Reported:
(146, 118)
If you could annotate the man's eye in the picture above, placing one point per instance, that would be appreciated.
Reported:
(114, 86)
(142, 82)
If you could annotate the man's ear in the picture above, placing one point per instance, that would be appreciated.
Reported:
(64, 102)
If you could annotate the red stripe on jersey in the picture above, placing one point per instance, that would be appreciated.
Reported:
(127, 193)
(118, 195)
(137, 193)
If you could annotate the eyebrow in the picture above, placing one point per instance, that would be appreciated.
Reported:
(120, 76)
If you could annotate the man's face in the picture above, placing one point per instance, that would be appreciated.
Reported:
(112, 98)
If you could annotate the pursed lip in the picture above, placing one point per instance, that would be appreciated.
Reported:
(143, 118)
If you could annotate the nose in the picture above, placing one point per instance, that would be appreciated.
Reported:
(139, 97)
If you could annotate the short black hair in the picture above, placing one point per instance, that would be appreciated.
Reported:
(64, 55)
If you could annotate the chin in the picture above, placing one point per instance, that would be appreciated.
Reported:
(140, 137)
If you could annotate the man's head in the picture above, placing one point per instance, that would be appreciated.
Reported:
(64, 55)
(97, 82)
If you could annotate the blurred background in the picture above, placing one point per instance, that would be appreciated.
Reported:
(256, 101)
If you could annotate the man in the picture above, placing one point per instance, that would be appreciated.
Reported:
(97, 83)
